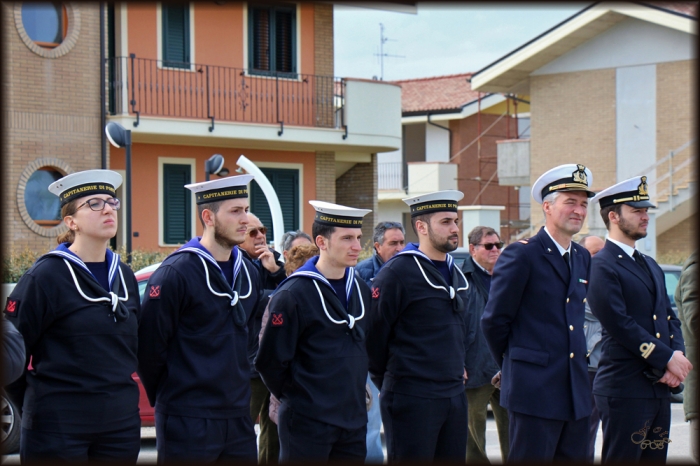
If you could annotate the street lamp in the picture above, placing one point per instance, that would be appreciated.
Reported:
(214, 165)
(119, 137)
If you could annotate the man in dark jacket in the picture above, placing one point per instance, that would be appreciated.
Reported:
(389, 239)
(267, 260)
(13, 356)
(484, 246)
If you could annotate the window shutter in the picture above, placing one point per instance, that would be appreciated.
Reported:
(286, 184)
(176, 35)
(177, 204)
(284, 37)
(261, 39)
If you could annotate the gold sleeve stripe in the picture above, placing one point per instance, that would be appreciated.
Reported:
(646, 349)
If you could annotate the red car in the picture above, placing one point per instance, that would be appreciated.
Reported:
(146, 410)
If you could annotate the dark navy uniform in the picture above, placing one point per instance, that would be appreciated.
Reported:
(193, 355)
(82, 339)
(313, 358)
(533, 323)
(416, 347)
(640, 333)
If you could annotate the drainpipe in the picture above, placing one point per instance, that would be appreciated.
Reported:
(448, 130)
(103, 102)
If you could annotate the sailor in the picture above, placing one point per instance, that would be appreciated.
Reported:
(193, 337)
(533, 324)
(77, 308)
(416, 340)
(312, 353)
(642, 358)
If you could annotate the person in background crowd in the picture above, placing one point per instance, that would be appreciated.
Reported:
(77, 309)
(312, 354)
(642, 354)
(291, 239)
(594, 332)
(686, 298)
(389, 239)
(193, 337)
(416, 338)
(256, 249)
(484, 248)
(533, 323)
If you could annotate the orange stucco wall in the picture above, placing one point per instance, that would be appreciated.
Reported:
(144, 162)
(218, 33)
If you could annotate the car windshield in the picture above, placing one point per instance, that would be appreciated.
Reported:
(142, 287)
(672, 277)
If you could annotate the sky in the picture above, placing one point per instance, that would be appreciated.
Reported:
(441, 39)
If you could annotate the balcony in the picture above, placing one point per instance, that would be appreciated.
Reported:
(513, 162)
(390, 176)
(188, 103)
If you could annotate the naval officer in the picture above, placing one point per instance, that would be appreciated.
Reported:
(642, 356)
(533, 323)
(193, 337)
(312, 354)
(417, 338)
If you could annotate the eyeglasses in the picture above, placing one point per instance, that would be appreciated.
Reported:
(98, 204)
(254, 231)
(489, 246)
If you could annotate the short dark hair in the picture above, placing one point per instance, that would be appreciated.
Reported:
(213, 206)
(319, 229)
(382, 227)
(289, 237)
(423, 218)
(617, 208)
(479, 232)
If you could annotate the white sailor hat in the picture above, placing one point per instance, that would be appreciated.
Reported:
(86, 183)
(633, 192)
(438, 201)
(568, 177)
(338, 215)
(231, 187)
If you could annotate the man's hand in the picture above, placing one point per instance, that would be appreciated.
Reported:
(496, 380)
(679, 366)
(266, 258)
(670, 379)
(464, 376)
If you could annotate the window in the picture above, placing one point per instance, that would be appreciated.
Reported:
(42, 205)
(176, 35)
(177, 203)
(46, 23)
(286, 184)
(272, 39)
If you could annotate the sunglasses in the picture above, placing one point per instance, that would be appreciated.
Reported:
(489, 246)
(253, 232)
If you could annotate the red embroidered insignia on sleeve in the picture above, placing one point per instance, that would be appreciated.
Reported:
(11, 306)
(154, 292)
(277, 319)
(375, 293)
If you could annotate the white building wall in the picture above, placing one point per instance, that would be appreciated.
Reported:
(437, 144)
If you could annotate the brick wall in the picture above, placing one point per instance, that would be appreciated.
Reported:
(325, 176)
(51, 112)
(358, 188)
(676, 244)
(481, 162)
(573, 121)
(323, 39)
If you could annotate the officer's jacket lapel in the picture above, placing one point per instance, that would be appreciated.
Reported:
(578, 271)
(628, 263)
(552, 254)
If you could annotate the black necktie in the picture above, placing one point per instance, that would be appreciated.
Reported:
(642, 263)
(566, 259)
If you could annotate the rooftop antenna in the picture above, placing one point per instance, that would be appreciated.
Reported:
(381, 54)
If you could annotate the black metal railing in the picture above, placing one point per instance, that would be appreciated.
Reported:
(145, 87)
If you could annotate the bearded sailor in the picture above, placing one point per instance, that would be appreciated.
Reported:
(77, 310)
(193, 337)
(416, 339)
(312, 354)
